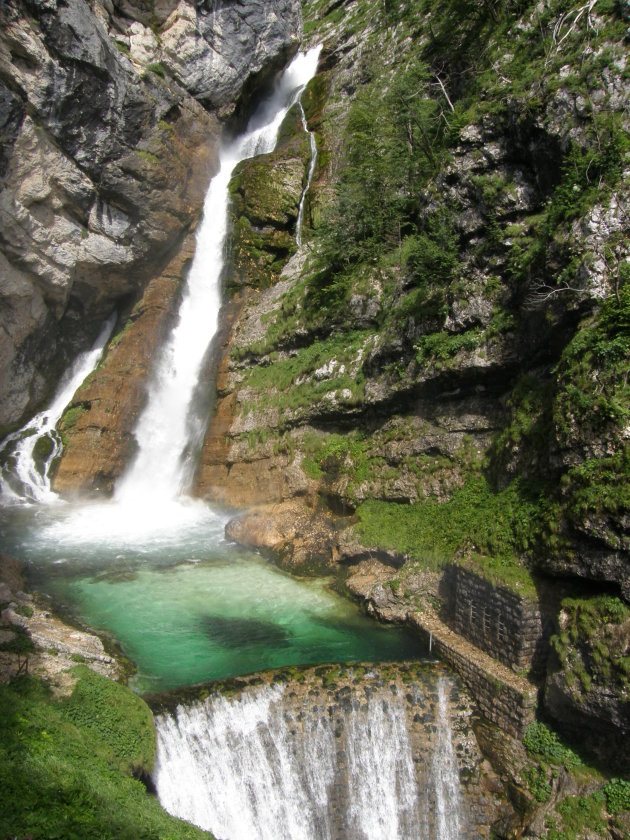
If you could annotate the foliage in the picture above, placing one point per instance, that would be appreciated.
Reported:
(580, 813)
(617, 793)
(393, 144)
(156, 67)
(289, 382)
(601, 403)
(440, 346)
(543, 742)
(121, 722)
(592, 646)
(538, 783)
(61, 771)
(492, 529)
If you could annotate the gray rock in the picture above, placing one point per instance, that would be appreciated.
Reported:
(105, 158)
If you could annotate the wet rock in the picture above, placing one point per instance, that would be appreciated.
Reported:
(106, 157)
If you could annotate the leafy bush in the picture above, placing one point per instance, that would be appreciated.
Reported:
(617, 793)
(542, 741)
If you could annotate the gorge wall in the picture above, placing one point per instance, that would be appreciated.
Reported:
(111, 115)
(438, 374)
(441, 371)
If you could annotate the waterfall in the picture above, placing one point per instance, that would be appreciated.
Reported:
(160, 471)
(28, 453)
(271, 763)
(309, 178)
(147, 502)
(445, 774)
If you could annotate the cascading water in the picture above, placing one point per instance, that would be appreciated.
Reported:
(445, 776)
(295, 763)
(24, 475)
(159, 471)
(309, 177)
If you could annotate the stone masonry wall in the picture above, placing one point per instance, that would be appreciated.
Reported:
(499, 622)
(502, 696)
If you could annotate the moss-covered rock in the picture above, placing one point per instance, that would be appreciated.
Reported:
(265, 195)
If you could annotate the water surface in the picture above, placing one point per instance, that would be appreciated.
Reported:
(185, 604)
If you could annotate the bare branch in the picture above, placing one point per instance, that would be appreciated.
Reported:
(448, 99)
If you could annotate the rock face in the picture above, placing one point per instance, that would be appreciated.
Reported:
(106, 157)
(478, 350)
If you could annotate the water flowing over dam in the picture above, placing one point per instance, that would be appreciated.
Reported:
(322, 757)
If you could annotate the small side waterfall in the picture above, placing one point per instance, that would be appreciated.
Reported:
(309, 177)
(294, 763)
(28, 453)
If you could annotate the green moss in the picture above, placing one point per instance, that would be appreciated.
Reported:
(65, 764)
(491, 528)
(592, 645)
(69, 419)
(149, 157)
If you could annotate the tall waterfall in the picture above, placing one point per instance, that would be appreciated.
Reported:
(147, 503)
(160, 469)
(28, 453)
(271, 763)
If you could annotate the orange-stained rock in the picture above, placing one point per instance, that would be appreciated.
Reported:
(298, 534)
(99, 443)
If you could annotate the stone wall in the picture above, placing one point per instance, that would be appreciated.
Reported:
(503, 697)
(499, 622)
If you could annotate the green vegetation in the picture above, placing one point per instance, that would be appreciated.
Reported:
(69, 419)
(579, 814)
(66, 764)
(488, 529)
(156, 67)
(572, 815)
(593, 644)
(289, 382)
(617, 793)
(544, 743)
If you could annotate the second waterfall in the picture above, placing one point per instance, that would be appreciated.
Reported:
(160, 470)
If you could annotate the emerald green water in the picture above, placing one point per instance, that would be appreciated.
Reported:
(185, 605)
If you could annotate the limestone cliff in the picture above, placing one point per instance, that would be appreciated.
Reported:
(110, 120)
(446, 359)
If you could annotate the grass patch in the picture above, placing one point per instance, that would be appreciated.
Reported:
(65, 764)
(490, 528)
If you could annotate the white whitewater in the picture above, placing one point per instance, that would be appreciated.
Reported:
(311, 170)
(25, 477)
(251, 767)
(160, 469)
(445, 774)
(383, 794)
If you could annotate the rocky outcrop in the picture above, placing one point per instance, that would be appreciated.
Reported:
(97, 426)
(35, 641)
(106, 156)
